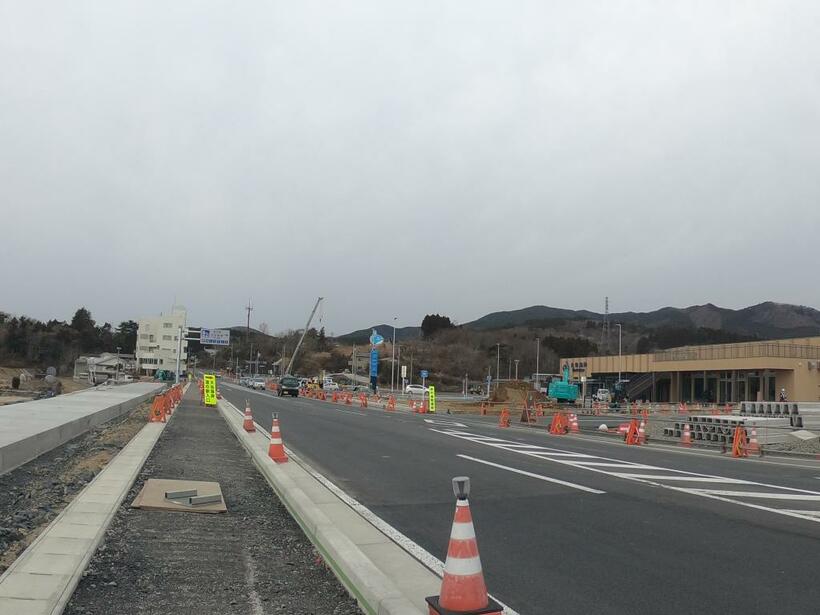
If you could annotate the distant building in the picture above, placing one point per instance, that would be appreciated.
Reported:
(96, 369)
(714, 373)
(157, 340)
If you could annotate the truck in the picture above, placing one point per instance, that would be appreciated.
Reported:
(563, 391)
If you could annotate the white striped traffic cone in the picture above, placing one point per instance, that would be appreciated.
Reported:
(276, 450)
(247, 424)
(463, 589)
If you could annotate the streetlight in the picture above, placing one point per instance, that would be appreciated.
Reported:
(620, 328)
(497, 363)
(516, 369)
(393, 358)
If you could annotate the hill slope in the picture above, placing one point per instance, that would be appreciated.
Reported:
(765, 320)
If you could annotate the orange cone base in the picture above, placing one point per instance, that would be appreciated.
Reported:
(493, 608)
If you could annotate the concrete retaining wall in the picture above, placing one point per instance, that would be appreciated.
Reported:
(29, 429)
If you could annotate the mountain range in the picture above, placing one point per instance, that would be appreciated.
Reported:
(768, 320)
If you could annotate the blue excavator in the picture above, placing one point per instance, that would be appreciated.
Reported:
(563, 391)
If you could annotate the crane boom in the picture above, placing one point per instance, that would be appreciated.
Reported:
(301, 339)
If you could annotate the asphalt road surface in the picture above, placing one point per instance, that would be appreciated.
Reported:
(575, 525)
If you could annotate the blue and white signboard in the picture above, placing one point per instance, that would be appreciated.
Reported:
(424, 374)
(375, 338)
(374, 363)
(215, 337)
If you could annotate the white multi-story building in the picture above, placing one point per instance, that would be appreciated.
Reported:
(157, 340)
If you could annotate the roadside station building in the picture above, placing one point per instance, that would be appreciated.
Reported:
(716, 373)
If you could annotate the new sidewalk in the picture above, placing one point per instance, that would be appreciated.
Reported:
(29, 429)
(252, 559)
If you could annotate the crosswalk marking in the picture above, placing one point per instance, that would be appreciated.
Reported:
(666, 478)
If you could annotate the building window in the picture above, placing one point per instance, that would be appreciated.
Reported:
(166, 338)
(143, 336)
(167, 325)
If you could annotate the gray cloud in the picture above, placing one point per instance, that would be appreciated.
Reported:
(401, 158)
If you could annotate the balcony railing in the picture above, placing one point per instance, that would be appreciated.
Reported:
(751, 350)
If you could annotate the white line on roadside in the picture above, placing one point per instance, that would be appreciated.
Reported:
(687, 479)
(763, 495)
(533, 475)
(415, 550)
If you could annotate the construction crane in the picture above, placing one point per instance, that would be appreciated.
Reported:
(304, 332)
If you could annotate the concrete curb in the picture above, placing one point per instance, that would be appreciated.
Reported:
(43, 578)
(305, 498)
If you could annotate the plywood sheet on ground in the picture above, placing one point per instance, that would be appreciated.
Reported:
(152, 496)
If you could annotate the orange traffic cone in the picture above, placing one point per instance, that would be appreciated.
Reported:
(248, 425)
(754, 445)
(463, 590)
(686, 439)
(157, 411)
(739, 446)
(276, 450)
(642, 432)
(573, 424)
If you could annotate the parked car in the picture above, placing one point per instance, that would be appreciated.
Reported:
(416, 389)
(288, 385)
(602, 395)
(329, 385)
(258, 383)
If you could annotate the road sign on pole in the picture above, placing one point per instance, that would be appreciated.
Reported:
(216, 337)
(404, 371)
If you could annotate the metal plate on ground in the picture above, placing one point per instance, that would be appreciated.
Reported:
(152, 496)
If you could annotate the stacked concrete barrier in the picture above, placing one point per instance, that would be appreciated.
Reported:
(720, 428)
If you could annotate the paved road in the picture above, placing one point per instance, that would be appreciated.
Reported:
(594, 526)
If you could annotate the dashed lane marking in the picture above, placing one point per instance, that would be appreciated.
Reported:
(533, 475)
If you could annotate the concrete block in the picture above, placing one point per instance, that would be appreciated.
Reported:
(803, 436)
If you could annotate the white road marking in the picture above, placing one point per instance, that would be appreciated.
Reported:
(660, 475)
(532, 475)
(446, 423)
(415, 550)
(688, 479)
(766, 495)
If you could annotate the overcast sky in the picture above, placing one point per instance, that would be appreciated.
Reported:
(400, 158)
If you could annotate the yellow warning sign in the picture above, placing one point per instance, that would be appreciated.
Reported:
(431, 395)
(209, 389)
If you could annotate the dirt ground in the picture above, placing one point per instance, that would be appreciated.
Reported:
(35, 493)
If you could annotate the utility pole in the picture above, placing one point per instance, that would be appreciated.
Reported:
(249, 309)
(619, 350)
(509, 369)
(537, 357)
(516, 369)
(353, 365)
(117, 368)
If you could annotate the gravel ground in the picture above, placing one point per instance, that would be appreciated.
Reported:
(32, 495)
(252, 559)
